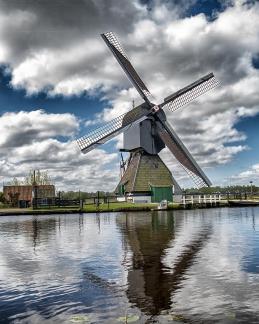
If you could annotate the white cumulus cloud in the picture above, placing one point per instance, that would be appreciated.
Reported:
(30, 140)
(64, 55)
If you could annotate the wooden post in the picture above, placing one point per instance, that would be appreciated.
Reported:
(98, 200)
(35, 192)
(59, 199)
(183, 199)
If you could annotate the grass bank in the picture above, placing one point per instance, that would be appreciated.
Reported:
(92, 208)
(89, 208)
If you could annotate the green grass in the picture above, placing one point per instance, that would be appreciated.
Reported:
(126, 206)
(118, 206)
(2, 205)
(92, 208)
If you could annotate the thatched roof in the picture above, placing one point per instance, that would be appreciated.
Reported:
(145, 170)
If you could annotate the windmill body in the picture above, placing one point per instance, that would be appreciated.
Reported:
(143, 136)
(146, 132)
(145, 169)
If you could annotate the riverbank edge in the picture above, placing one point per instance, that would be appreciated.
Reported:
(18, 212)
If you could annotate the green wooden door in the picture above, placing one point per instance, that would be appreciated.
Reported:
(121, 189)
(161, 193)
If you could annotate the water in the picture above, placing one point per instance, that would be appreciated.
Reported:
(199, 266)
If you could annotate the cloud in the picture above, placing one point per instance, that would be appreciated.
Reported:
(61, 53)
(30, 140)
(184, 50)
(19, 129)
(64, 55)
(251, 174)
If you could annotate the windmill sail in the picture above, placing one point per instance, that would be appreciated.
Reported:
(117, 50)
(140, 140)
(184, 157)
(189, 93)
(111, 129)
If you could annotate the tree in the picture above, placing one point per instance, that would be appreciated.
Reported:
(232, 189)
(28, 180)
(41, 178)
(15, 182)
(2, 198)
(14, 198)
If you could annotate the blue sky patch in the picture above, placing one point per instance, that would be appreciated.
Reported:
(255, 61)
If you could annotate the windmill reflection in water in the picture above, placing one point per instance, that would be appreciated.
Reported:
(151, 284)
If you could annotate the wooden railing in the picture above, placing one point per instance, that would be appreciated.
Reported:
(213, 199)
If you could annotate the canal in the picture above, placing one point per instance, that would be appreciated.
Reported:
(186, 266)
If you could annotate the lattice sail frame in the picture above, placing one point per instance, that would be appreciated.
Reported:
(191, 92)
(181, 153)
(111, 129)
(97, 136)
(115, 42)
(122, 58)
(199, 182)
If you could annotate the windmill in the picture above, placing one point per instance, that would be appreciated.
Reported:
(147, 131)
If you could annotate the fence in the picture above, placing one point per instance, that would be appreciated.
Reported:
(198, 199)
(185, 200)
(215, 198)
(55, 202)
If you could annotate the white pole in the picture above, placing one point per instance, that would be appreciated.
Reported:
(183, 199)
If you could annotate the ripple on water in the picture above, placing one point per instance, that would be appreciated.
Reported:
(184, 266)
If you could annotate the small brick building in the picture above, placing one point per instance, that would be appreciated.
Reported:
(22, 195)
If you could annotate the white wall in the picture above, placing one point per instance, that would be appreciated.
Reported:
(141, 199)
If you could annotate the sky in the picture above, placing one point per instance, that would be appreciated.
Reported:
(58, 80)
